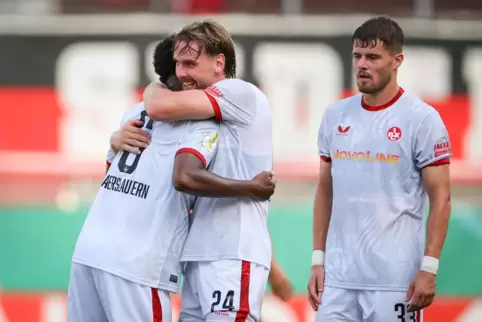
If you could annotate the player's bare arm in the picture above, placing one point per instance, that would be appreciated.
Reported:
(280, 284)
(436, 180)
(190, 176)
(321, 221)
(164, 105)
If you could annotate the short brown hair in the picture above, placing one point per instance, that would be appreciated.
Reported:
(378, 29)
(214, 39)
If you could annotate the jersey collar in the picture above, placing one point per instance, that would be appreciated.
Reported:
(383, 106)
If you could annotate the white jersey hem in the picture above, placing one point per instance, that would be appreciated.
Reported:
(129, 277)
(203, 258)
(363, 287)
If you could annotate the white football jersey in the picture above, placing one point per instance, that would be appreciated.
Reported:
(376, 237)
(235, 228)
(138, 223)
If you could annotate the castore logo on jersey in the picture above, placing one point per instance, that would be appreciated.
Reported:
(343, 130)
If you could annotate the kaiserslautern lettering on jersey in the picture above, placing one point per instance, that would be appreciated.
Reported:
(235, 228)
(376, 237)
(138, 223)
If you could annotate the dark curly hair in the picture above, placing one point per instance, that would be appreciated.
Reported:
(164, 64)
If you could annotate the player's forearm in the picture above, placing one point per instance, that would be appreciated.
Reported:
(164, 105)
(203, 183)
(438, 221)
(322, 215)
(160, 104)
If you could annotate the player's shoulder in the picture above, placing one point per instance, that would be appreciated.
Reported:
(234, 86)
(416, 107)
(134, 110)
(348, 102)
(343, 105)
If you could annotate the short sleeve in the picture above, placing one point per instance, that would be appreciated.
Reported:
(323, 146)
(234, 100)
(201, 140)
(432, 143)
(110, 157)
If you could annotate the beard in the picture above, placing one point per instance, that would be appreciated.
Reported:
(375, 88)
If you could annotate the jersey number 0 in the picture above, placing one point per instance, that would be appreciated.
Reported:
(123, 167)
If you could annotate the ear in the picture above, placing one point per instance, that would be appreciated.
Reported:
(220, 63)
(398, 60)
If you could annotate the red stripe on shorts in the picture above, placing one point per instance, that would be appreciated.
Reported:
(156, 306)
(243, 312)
(419, 316)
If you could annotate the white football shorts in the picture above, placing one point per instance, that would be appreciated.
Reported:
(346, 305)
(97, 296)
(225, 290)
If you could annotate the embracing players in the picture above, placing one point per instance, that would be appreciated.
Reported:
(228, 249)
(127, 257)
(381, 152)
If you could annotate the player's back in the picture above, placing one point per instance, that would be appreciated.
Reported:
(377, 233)
(235, 228)
(138, 222)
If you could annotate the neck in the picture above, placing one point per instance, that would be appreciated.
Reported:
(219, 78)
(382, 97)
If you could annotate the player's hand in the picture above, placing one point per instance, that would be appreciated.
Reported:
(421, 291)
(316, 285)
(130, 137)
(280, 285)
(265, 183)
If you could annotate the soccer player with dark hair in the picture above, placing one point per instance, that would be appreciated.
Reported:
(381, 152)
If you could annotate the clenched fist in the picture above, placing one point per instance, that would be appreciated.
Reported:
(265, 183)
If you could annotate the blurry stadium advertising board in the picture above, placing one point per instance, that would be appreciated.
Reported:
(65, 84)
(52, 308)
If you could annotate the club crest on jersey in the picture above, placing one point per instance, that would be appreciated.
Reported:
(343, 130)
(209, 141)
(394, 133)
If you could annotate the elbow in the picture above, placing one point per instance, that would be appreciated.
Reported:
(183, 181)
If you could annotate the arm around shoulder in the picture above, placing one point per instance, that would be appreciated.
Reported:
(164, 105)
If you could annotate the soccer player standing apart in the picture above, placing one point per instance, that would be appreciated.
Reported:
(382, 151)
(228, 249)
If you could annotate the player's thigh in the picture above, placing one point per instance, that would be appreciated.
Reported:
(190, 305)
(83, 301)
(384, 306)
(338, 305)
(231, 290)
(124, 300)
